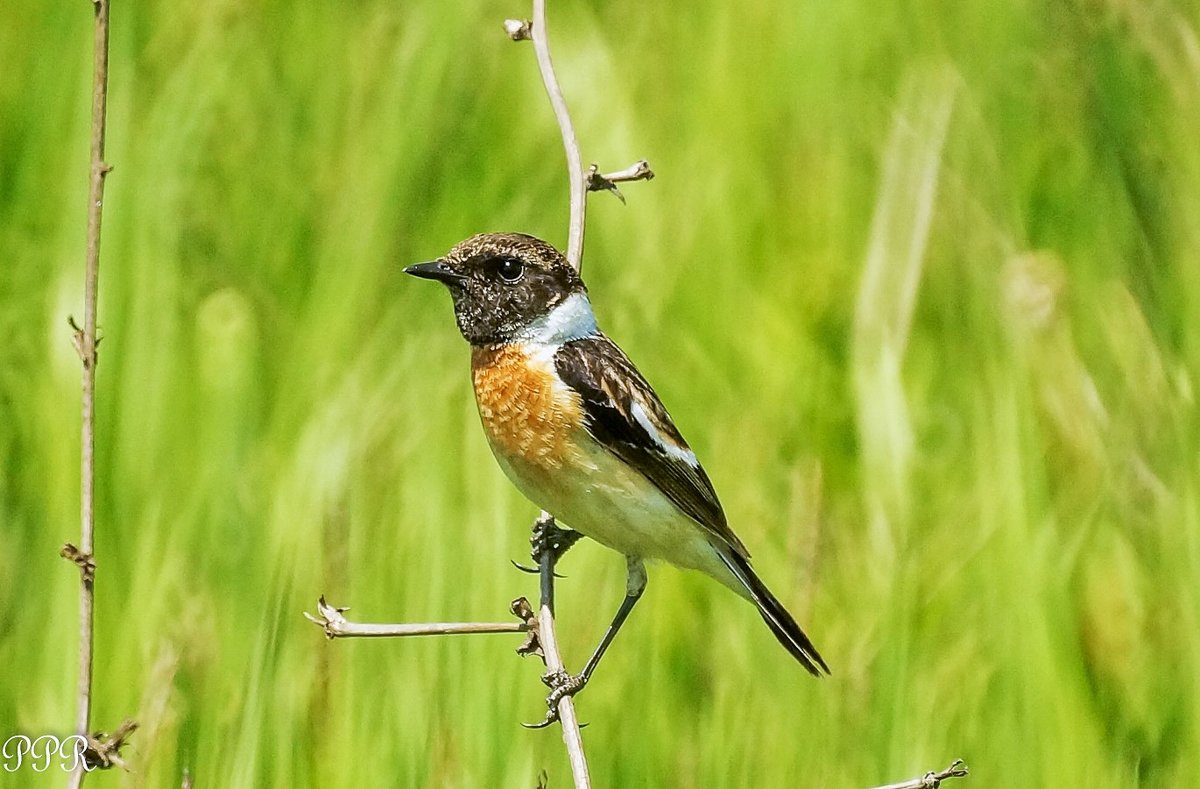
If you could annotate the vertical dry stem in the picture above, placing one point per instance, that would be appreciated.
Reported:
(541, 45)
(572, 737)
(85, 341)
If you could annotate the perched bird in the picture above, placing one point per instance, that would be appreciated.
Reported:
(580, 432)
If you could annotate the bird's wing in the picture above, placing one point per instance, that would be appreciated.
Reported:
(624, 414)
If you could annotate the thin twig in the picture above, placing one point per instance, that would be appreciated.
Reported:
(932, 780)
(541, 45)
(85, 342)
(329, 618)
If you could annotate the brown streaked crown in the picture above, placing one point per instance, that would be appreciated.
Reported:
(501, 283)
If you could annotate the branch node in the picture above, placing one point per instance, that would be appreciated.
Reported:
(532, 645)
(957, 769)
(104, 750)
(597, 181)
(932, 780)
(329, 618)
(86, 562)
(77, 339)
(518, 29)
(77, 342)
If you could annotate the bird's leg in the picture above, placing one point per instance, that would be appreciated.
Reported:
(635, 584)
(563, 684)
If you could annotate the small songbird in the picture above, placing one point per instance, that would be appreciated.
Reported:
(580, 432)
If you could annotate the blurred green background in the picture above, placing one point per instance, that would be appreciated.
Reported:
(920, 282)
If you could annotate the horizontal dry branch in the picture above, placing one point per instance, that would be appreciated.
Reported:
(335, 625)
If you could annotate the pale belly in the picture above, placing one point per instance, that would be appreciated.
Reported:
(595, 493)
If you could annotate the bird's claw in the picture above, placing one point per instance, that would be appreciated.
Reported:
(531, 570)
(548, 537)
(561, 685)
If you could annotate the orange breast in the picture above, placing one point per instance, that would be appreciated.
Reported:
(528, 414)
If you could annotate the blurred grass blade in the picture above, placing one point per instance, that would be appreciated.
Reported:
(900, 228)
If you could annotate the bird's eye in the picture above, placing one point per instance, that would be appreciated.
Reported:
(510, 270)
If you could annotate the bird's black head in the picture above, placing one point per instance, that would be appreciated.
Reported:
(504, 285)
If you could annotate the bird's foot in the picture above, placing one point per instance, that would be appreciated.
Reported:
(561, 685)
(547, 536)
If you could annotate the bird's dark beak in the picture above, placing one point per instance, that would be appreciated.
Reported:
(436, 270)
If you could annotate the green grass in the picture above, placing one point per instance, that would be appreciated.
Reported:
(919, 282)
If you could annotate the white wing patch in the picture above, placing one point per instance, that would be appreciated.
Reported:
(666, 444)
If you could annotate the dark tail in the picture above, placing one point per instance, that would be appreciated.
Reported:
(775, 615)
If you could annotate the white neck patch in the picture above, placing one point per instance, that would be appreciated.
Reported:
(571, 319)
